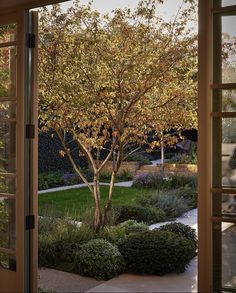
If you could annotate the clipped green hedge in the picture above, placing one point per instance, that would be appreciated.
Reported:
(99, 259)
(156, 252)
(181, 229)
(147, 215)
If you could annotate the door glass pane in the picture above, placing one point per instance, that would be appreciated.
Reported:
(228, 2)
(229, 100)
(229, 49)
(229, 204)
(7, 223)
(7, 110)
(8, 33)
(7, 184)
(7, 262)
(229, 152)
(7, 147)
(7, 72)
(228, 255)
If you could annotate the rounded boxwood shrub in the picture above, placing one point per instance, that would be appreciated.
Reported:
(115, 234)
(132, 226)
(98, 259)
(181, 229)
(156, 252)
(147, 215)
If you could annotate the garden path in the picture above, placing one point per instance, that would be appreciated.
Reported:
(123, 184)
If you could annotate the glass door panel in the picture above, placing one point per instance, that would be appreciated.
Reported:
(224, 146)
(8, 142)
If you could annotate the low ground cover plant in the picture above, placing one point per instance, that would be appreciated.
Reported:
(158, 181)
(147, 214)
(173, 202)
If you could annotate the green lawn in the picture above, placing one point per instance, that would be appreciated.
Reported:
(77, 202)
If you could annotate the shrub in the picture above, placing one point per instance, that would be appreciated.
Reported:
(156, 252)
(116, 233)
(99, 259)
(172, 205)
(147, 215)
(134, 157)
(157, 181)
(181, 229)
(59, 239)
(124, 175)
(73, 178)
(177, 181)
(188, 193)
(50, 180)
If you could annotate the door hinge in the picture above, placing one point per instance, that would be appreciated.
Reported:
(30, 222)
(30, 131)
(30, 41)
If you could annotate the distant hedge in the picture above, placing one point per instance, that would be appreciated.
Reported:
(49, 158)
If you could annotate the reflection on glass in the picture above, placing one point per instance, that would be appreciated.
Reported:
(7, 72)
(7, 147)
(7, 110)
(8, 33)
(229, 49)
(229, 204)
(227, 2)
(229, 152)
(7, 223)
(228, 255)
(7, 184)
(7, 262)
(229, 100)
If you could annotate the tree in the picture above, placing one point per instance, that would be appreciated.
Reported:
(109, 80)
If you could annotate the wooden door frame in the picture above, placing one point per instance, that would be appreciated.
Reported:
(14, 280)
(204, 135)
(204, 147)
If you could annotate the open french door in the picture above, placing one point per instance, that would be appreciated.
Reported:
(18, 152)
(217, 146)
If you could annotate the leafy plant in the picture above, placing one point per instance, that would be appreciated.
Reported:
(50, 180)
(98, 259)
(188, 193)
(135, 157)
(59, 239)
(124, 175)
(172, 205)
(147, 215)
(156, 252)
(116, 233)
(157, 181)
(181, 229)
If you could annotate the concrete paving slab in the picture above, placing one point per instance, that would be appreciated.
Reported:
(59, 281)
(186, 282)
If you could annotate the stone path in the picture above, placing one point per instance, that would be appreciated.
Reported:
(59, 281)
(122, 184)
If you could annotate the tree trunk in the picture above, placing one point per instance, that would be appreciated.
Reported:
(109, 201)
(162, 155)
(97, 215)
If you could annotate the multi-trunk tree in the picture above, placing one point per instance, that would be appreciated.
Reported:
(110, 80)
